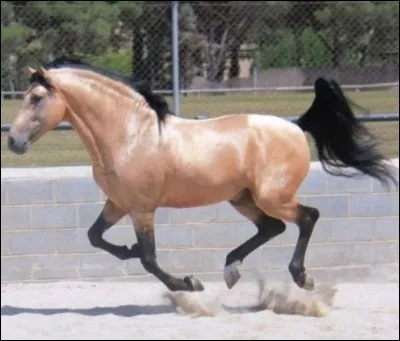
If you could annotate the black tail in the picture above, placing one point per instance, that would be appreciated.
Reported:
(341, 140)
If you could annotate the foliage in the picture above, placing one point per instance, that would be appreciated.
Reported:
(135, 37)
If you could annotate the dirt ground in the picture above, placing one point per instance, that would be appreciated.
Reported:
(143, 311)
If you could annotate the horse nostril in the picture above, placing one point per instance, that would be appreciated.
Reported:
(11, 141)
(17, 145)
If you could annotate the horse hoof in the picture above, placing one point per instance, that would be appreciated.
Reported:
(305, 282)
(309, 283)
(232, 274)
(194, 284)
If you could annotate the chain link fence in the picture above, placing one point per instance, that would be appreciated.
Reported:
(234, 56)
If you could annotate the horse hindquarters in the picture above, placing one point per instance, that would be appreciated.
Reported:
(278, 171)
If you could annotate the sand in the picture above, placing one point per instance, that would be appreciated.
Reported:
(145, 311)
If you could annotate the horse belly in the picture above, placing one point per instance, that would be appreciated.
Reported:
(192, 194)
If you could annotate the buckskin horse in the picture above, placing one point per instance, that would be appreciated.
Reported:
(145, 157)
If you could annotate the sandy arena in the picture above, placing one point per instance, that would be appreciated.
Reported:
(143, 311)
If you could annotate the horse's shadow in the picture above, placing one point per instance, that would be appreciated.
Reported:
(123, 310)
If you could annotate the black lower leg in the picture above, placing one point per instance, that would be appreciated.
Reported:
(146, 242)
(306, 220)
(95, 235)
(268, 228)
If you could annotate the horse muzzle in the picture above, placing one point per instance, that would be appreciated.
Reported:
(18, 144)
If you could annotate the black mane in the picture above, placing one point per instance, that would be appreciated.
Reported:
(155, 101)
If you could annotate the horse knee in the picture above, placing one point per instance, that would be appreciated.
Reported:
(94, 237)
(313, 213)
(96, 231)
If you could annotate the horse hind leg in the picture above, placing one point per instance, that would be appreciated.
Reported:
(305, 217)
(267, 228)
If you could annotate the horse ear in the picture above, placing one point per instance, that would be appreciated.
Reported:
(31, 70)
(42, 71)
(43, 77)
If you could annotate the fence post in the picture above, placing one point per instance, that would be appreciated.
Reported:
(175, 57)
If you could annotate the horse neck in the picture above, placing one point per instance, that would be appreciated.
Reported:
(105, 115)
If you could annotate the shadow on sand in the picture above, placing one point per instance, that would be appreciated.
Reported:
(123, 310)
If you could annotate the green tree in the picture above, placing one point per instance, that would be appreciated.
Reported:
(226, 25)
(35, 32)
(350, 24)
(134, 38)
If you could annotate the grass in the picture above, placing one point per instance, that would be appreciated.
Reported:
(60, 148)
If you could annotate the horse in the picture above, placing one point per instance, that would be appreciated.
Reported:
(144, 157)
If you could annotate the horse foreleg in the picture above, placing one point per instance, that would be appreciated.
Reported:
(144, 228)
(109, 216)
(267, 228)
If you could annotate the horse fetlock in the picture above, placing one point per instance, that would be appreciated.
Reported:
(149, 264)
(300, 277)
(232, 273)
(193, 283)
(125, 253)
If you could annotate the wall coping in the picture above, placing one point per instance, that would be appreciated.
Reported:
(86, 171)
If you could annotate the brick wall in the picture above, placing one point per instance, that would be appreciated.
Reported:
(45, 215)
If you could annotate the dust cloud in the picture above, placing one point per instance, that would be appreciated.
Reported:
(281, 298)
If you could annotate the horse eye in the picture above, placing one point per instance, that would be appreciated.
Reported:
(36, 99)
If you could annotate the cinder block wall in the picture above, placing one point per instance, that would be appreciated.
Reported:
(46, 213)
